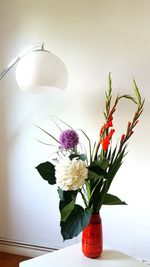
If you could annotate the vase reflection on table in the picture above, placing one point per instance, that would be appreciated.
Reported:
(76, 170)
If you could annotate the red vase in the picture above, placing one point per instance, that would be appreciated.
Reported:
(92, 237)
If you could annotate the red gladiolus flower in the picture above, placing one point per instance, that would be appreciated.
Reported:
(109, 124)
(110, 118)
(105, 143)
(106, 126)
(111, 133)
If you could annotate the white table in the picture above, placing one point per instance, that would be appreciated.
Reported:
(72, 257)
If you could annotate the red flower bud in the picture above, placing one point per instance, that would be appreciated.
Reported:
(122, 138)
(110, 118)
(131, 132)
(129, 124)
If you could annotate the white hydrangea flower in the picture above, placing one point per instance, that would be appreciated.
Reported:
(70, 174)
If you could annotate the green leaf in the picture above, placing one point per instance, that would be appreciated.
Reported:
(90, 150)
(61, 121)
(61, 194)
(94, 181)
(93, 175)
(137, 93)
(67, 196)
(95, 192)
(95, 199)
(96, 169)
(103, 164)
(129, 97)
(112, 156)
(47, 172)
(47, 133)
(72, 156)
(112, 200)
(115, 165)
(113, 168)
(87, 184)
(75, 223)
(65, 212)
(81, 156)
(109, 85)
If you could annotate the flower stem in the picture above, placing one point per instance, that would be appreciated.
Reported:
(83, 197)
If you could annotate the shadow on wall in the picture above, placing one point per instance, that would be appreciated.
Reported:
(4, 154)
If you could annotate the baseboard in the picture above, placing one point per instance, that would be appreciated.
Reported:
(21, 248)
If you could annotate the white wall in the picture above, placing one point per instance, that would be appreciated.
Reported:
(93, 37)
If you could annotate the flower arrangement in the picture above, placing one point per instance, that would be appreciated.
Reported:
(91, 172)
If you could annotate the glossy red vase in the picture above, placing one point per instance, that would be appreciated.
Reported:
(92, 237)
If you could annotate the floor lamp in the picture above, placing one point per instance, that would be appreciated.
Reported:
(38, 70)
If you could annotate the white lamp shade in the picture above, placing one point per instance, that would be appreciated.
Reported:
(41, 70)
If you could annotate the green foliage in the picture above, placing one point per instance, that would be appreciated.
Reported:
(47, 172)
(112, 200)
(137, 92)
(66, 195)
(101, 164)
(77, 220)
(80, 156)
(66, 210)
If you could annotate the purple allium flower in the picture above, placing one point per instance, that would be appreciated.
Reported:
(69, 139)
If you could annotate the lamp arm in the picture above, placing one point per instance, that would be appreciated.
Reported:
(36, 47)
